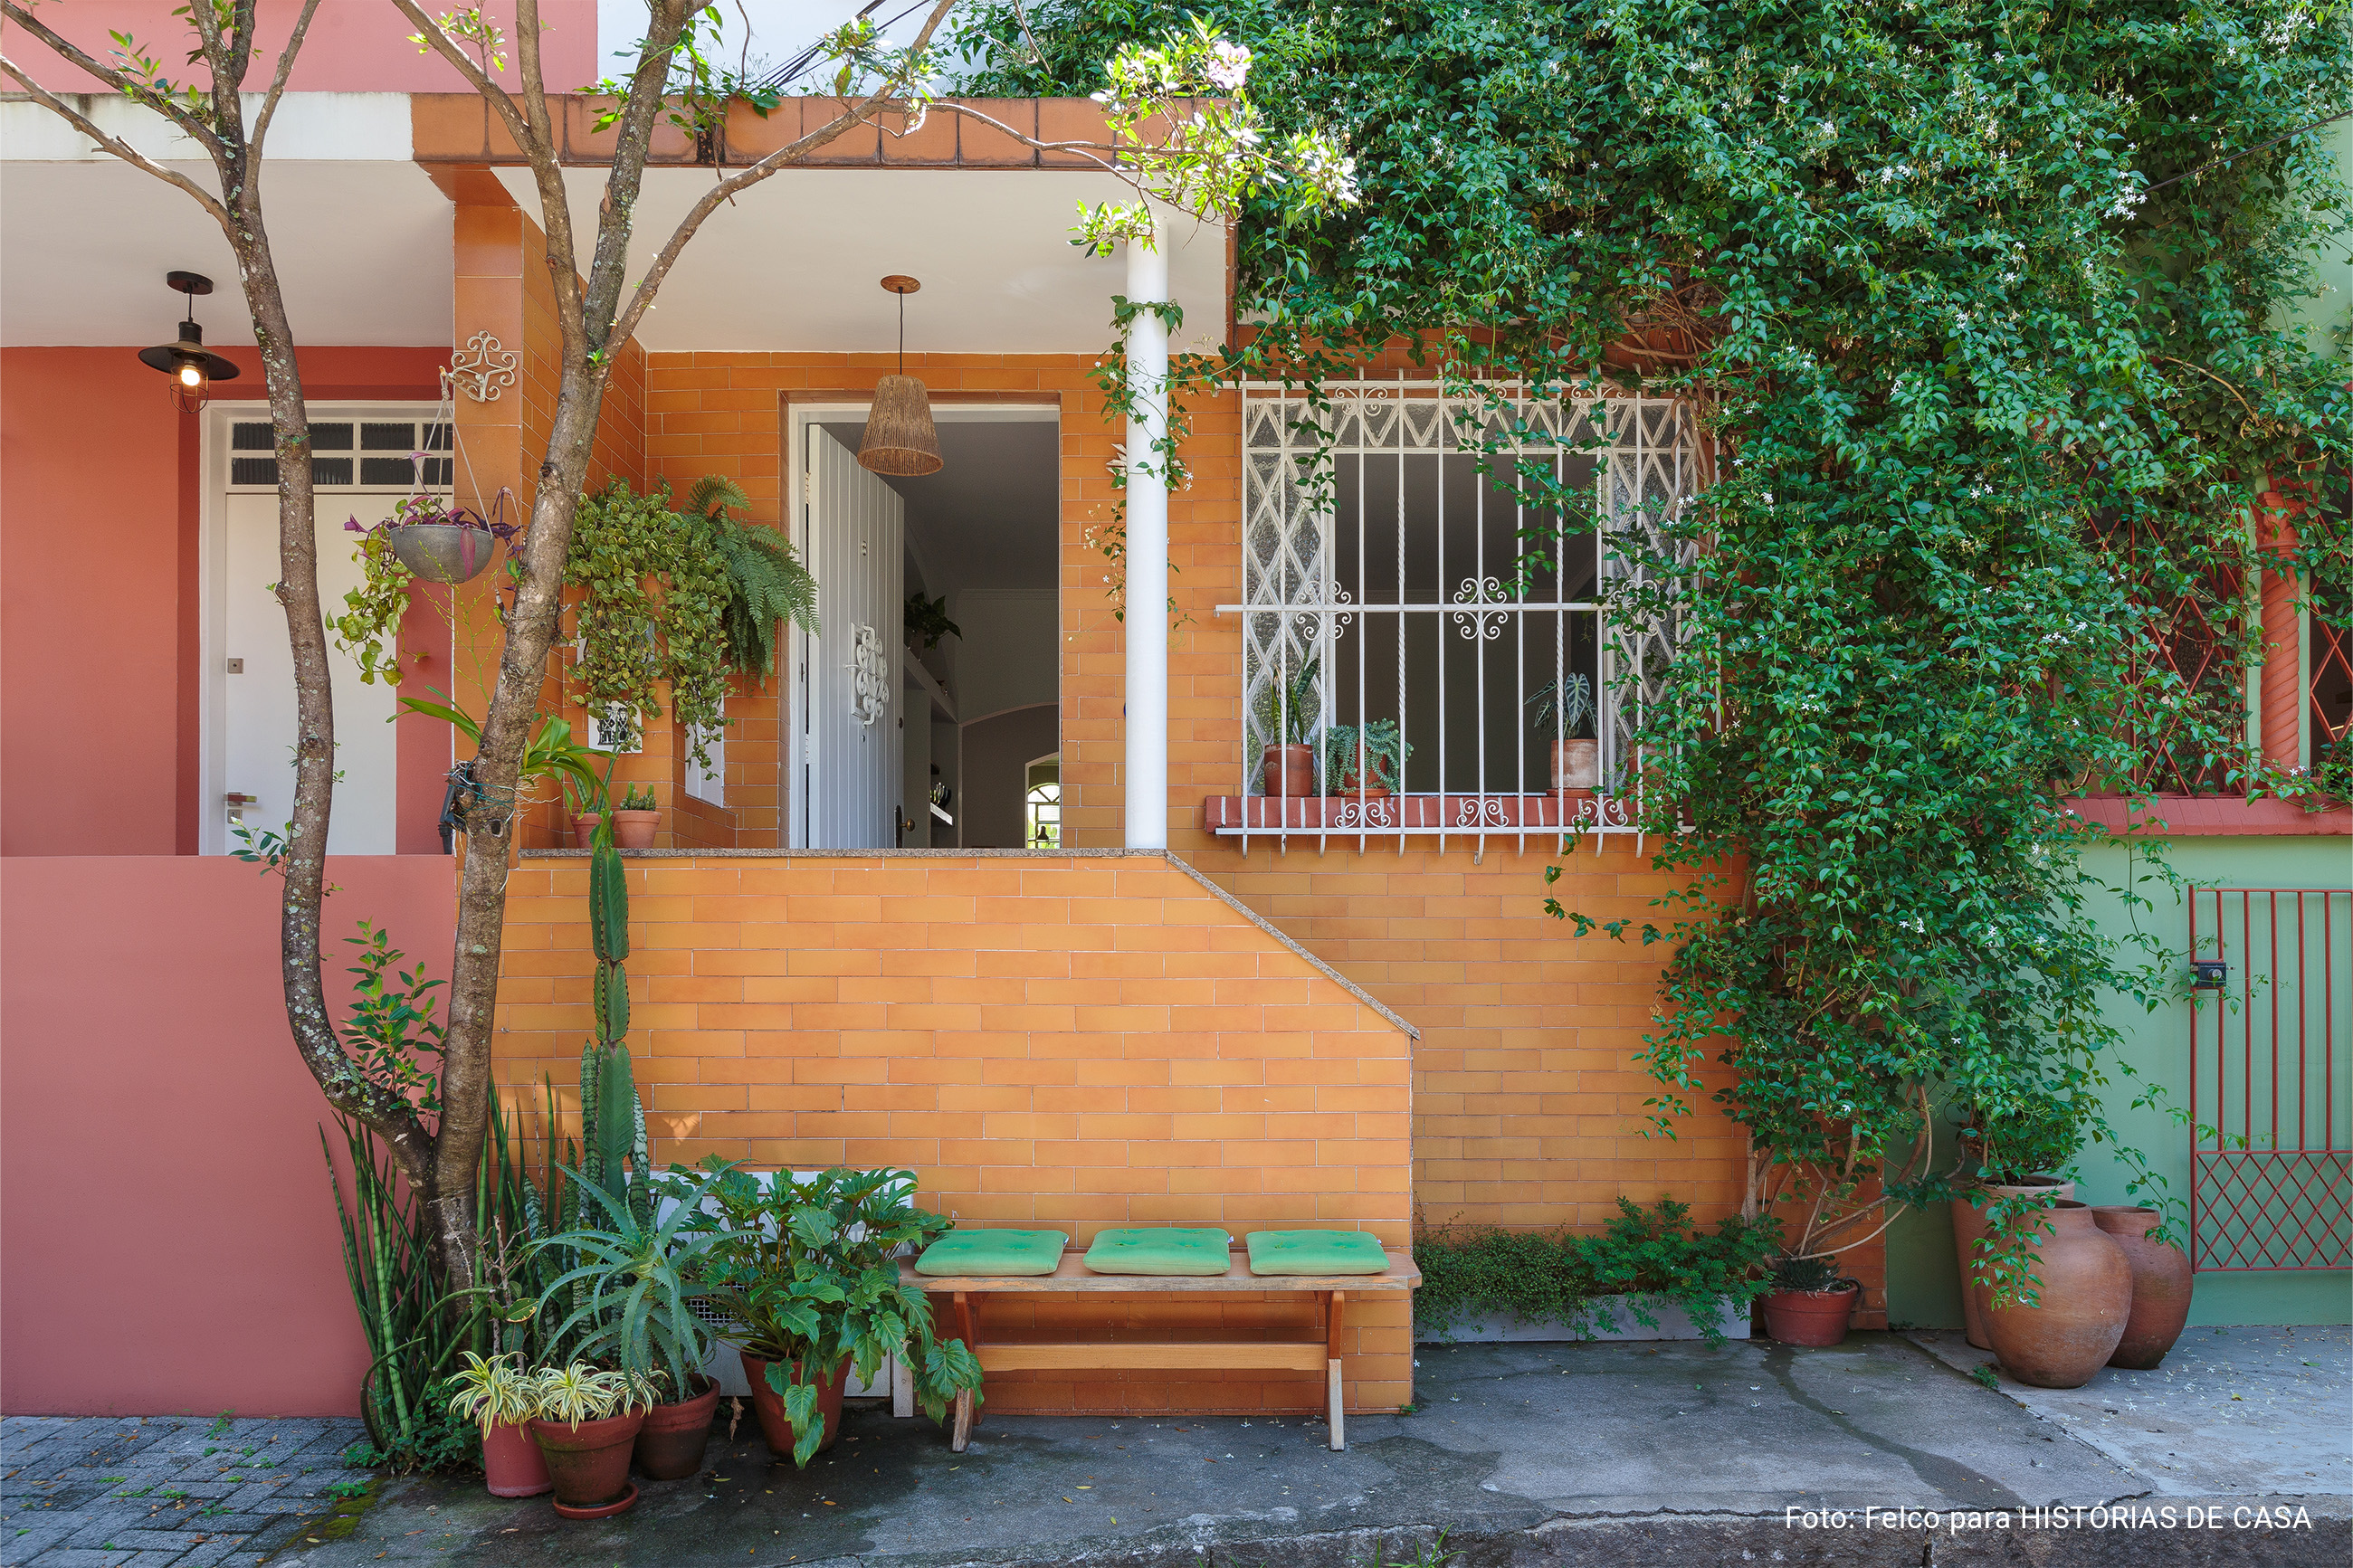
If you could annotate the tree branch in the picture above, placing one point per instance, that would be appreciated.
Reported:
(115, 145)
(121, 81)
(278, 81)
(448, 48)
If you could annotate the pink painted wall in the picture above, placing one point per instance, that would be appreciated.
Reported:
(167, 1240)
(354, 46)
(98, 599)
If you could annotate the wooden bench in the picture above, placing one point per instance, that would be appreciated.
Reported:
(1179, 1355)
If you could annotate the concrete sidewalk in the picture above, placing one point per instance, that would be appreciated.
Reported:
(1525, 1455)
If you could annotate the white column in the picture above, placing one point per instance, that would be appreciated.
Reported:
(1147, 814)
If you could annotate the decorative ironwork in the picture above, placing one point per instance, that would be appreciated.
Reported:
(485, 364)
(869, 674)
(2270, 1070)
(1481, 626)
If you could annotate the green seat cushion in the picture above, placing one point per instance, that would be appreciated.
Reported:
(1160, 1249)
(1316, 1252)
(994, 1252)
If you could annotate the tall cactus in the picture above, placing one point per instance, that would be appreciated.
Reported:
(612, 1122)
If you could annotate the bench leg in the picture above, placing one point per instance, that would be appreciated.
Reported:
(963, 1433)
(1335, 1310)
(968, 1330)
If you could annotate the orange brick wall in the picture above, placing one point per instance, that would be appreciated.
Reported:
(1070, 1041)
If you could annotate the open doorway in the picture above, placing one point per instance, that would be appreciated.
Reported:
(927, 735)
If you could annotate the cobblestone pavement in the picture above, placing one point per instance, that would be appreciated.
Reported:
(187, 1490)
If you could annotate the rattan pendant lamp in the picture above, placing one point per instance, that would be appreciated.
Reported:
(901, 438)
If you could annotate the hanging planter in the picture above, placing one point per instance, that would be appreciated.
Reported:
(442, 542)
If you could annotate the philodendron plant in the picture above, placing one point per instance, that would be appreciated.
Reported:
(806, 1268)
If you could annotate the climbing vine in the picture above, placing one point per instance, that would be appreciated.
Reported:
(1985, 318)
(652, 612)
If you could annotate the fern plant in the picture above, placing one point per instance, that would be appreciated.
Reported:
(766, 580)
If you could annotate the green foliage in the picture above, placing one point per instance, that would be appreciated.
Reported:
(1562, 706)
(634, 1286)
(1554, 1277)
(1808, 1274)
(639, 797)
(1987, 357)
(1289, 710)
(2038, 1136)
(806, 1268)
(767, 584)
(492, 1391)
(928, 619)
(653, 614)
(389, 1026)
(577, 1391)
(1372, 756)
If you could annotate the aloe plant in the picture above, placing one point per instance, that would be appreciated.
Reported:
(634, 1287)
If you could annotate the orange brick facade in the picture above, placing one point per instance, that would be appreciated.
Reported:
(1069, 1041)
(1527, 1104)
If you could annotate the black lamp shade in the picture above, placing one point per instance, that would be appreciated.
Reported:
(169, 357)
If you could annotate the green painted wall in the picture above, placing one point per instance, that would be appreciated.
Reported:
(2327, 318)
(1923, 1276)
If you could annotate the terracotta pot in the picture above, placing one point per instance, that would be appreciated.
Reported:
(670, 1443)
(622, 1504)
(2161, 1290)
(1811, 1317)
(1287, 770)
(1969, 1224)
(635, 829)
(1357, 789)
(584, 828)
(512, 1462)
(589, 1463)
(2084, 1286)
(1576, 765)
(770, 1408)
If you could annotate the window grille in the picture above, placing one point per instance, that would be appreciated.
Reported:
(1425, 593)
(392, 455)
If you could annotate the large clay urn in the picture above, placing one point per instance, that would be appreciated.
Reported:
(1969, 1224)
(2083, 1287)
(2160, 1276)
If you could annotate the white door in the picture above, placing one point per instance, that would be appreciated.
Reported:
(851, 703)
(258, 686)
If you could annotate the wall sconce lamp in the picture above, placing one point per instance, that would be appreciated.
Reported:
(191, 367)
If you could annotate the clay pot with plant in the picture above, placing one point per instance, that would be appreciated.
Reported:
(2061, 1296)
(1812, 1303)
(1563, 708)
(1368, 759)
(502, 1398)
(637, 819)
(1288, 712)
(587, 1425)
(2161, 1283)
(806, 1268)
(2008, 1160)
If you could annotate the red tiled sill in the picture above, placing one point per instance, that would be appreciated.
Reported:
(2210, 816)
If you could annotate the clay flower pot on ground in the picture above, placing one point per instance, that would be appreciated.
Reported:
(1817, 1318)
(1287, 770)
(2160, 1286)
(512, 1461)
(2083, 1288)
(670, 1443)
(1969, 1225)
(590, 1464)
(769, 1406)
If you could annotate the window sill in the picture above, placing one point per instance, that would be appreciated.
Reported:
(1575, 810)
(2210, 816)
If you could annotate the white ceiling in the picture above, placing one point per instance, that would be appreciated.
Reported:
(991, 517)
(362, 250)
(796, 262)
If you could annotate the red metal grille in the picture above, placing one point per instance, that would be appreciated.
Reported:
(2270, 1079)
(2330, 661)
(2192, 692)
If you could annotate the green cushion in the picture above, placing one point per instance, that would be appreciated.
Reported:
(994, 1252)
(1316, 1252)
(1161, 1250)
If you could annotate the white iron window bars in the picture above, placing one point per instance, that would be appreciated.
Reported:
(1400, 575)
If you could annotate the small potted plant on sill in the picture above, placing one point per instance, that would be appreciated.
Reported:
(637, 819)
(1368, 761)
(1563, 708)
(1810, 1304)
(439, 540)
(1287, 711)
(500, 1396)
(806, 1268)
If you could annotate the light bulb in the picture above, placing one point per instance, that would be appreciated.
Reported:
(192, 374)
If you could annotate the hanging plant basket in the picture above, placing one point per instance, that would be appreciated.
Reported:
(443, 551)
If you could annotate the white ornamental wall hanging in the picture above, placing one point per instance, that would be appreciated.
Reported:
(869, 674)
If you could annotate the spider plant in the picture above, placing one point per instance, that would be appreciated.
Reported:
(578, 1391)
(496, 1392)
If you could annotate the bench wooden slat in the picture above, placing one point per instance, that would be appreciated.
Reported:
(1190, 1356)
(1072, 1274)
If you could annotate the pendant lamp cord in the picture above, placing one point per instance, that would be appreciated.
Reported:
(903, 334)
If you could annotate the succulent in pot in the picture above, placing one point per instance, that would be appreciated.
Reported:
(440, 540)
(1288, 712)
(806, 1269)
(637, 819)
(1564, 707)
(502, 1398)
(1812, 1303)
(1367, 760)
